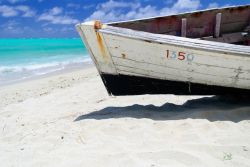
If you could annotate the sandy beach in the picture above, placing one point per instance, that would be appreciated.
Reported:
(68, 119)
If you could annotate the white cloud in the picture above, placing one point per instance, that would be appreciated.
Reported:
(186, 4)
(111, 4)
(10, 25)
(114, 10)
(55, 11)
(88, 6)
(78, 6)
(21, 10)
(7, 11)
(213, 5)
(73, 5)
(15, 1)
(169, 2)
(55, 16)
(27, 12)
(13, 27)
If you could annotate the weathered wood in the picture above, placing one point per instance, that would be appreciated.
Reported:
(185, 70)
(172, 59)
(208, 67)
(178, 41)
(96, 47)
(200, 23)
(217, 25)
(184, 27)
(229, 38)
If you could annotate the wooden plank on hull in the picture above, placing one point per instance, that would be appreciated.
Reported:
(180, 75)
(228, 82)
(156, 54)
(151, 50)
(208, 46)
(190, 70)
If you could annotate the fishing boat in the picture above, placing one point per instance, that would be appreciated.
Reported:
(197, 53)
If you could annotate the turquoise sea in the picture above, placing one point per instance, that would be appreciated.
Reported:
(26, 58)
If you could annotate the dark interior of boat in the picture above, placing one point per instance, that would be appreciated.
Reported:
(228, 25)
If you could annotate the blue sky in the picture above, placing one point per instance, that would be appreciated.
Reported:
(56, 18)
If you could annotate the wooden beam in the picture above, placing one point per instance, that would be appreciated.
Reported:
(217, 25)
(229, 38)
(183, 27)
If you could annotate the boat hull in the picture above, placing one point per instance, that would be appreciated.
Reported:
(133, 62)
(120, 85)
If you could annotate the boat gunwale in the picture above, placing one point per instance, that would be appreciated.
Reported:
(177, 41)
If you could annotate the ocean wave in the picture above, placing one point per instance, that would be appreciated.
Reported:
(41, 66)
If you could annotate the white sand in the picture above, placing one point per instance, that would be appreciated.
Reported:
(69, 120)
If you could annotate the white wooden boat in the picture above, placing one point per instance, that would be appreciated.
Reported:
(200, 53)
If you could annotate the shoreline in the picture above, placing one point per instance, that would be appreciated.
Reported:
(68, 68)
(44, 84)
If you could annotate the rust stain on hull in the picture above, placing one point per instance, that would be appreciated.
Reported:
(98, 25)
(100, 44)
(101, 47)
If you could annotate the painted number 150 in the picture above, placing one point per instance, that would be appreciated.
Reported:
(179, 55)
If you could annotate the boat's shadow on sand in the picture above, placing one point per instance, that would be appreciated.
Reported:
(216, 108)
